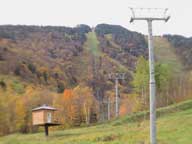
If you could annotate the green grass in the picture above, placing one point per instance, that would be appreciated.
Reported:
(92, 44)
(174, 126)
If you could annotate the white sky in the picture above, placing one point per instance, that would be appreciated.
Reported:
(93, 12)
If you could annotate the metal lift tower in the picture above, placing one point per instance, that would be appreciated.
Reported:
(117, 77)
(146, 14)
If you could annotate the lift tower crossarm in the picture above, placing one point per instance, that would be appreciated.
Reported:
(150, 19)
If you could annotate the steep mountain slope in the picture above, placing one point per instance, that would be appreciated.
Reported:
(42, 54)
(53, 56)
(100, 65)
(56, 56)
(166, 53)
(121, 44)
(37, 64)
(183, 47)
(174, 126)
(93, 44)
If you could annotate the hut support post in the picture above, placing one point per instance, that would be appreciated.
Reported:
(46, 130)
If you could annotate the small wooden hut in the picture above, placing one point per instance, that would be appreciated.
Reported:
(44, 116)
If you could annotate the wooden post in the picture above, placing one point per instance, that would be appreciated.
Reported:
(46, 130)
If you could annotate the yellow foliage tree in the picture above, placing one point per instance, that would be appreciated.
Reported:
(86, 101)
(20, 111)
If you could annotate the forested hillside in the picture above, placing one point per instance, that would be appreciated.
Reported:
(42, 54)
(69, 68)
(121, 44)
(183, 47)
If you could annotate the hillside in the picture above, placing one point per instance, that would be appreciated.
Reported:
(182, 48)
(165, 53)
(174, 127)
(69, 68)
(40, 54)
(121, 44)
(38, 64)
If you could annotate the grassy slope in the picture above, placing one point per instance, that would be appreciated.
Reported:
(82, 62)
(122, 68)
(174, 127)
(92, 44)
(164, 53)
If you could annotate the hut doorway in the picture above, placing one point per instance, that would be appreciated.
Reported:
(49, 117)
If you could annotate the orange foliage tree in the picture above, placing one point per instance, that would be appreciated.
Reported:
(76, 106)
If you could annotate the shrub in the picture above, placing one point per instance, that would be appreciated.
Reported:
(32, 68)
(60, 87)
(18, 87)
(3, 84)
(17, 71)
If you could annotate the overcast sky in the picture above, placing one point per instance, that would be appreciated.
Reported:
(93, 12)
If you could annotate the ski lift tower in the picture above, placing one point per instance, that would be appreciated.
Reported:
(117, 77)
(150, 15)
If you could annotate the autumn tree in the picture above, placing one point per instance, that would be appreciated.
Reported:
(141, 79)
(20, 111)
(66, 103)
(86, 100)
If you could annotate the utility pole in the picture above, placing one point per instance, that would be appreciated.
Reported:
(117, 77)
(149, 20)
